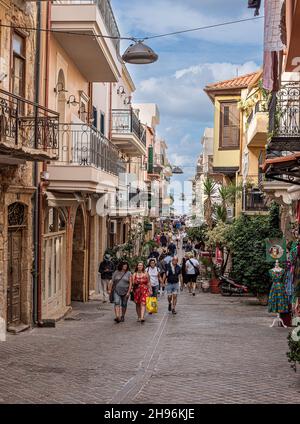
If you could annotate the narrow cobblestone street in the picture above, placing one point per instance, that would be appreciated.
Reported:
(216, 350)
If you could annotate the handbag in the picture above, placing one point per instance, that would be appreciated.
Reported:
(112, 293)
(151, 305)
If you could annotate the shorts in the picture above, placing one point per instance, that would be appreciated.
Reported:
(173, 288)
(120, 300)
(191, 278)
(155, 290)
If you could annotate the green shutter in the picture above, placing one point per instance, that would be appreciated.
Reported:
(150, 160)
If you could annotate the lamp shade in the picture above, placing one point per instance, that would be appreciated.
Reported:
(139, 54)
(177, 170)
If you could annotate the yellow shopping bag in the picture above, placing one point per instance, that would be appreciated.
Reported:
(151, 305)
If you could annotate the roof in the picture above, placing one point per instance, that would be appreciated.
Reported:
(241, 82)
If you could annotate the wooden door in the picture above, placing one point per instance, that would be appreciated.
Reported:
(14, 277)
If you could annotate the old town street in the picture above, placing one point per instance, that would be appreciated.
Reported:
(216, 350)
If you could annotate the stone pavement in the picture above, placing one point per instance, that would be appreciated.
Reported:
(215, 350)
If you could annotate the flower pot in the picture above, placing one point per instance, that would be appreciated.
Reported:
(214, 286)
(263, 298)
(205, 286)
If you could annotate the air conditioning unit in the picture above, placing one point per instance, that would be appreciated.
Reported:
(113, 227)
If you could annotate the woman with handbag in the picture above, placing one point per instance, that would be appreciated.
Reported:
(142, 289)
(119, 290)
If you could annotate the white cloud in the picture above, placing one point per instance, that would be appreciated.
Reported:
(163, 16)
(180, 95)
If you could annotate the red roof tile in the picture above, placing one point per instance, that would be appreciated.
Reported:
(243, 81)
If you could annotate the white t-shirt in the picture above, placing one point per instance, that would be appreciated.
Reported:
(153, 274)
(189, 267)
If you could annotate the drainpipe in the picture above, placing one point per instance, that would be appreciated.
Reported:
(110, 112)
(36, 231)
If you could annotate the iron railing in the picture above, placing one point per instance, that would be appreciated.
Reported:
(284, 112)
(254, 200)
(126, 122)
(24, 124)
(84, 145)
(260, 106)
(107, 14)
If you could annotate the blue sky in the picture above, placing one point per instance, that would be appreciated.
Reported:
(187, 63)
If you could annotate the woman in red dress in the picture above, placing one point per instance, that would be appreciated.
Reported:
(142, 289)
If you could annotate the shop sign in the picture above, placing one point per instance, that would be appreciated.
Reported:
(275, 250)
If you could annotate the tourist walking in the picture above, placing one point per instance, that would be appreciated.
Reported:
(192, 271)
(120, 288)
(154, 254)
(172, 248)
(154, 275)
(142, 289)
(173, 279)
(162, 267)
(163, 240)
(106, 269)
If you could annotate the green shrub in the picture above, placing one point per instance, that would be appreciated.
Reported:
(294, 352)
(246, 241)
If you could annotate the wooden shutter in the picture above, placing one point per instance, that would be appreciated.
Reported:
(229, 125)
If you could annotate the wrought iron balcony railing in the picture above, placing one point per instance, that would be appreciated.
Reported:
(84, 145)
(254, 200)
(284, 118)
(126, 122)
(27, 130)
(107, 14)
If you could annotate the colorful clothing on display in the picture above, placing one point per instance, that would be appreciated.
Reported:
(289, 280)
(278, 299)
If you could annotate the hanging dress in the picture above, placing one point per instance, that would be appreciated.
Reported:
(278, 299)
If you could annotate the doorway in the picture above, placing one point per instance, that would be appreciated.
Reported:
(78, 286)
(15, 248)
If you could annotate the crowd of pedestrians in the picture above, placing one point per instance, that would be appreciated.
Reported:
(163, 273)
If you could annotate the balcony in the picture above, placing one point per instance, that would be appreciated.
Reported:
(27, 131)
(87, 161)
(257, 126)
(254, 201)
(284, 115)
(95, 57)
(128, 134)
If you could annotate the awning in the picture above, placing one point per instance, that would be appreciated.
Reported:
(283, 168)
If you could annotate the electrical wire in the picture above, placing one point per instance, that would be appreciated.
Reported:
(201, 28)
(135, 39)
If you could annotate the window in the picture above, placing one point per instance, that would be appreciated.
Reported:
(95, 117)
(102, 123)
(18, 65)
(229, 126)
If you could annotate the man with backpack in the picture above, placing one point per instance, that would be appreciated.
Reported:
(192, 267)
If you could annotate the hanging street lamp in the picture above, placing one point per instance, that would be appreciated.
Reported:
(177, 170)
(139, 54)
